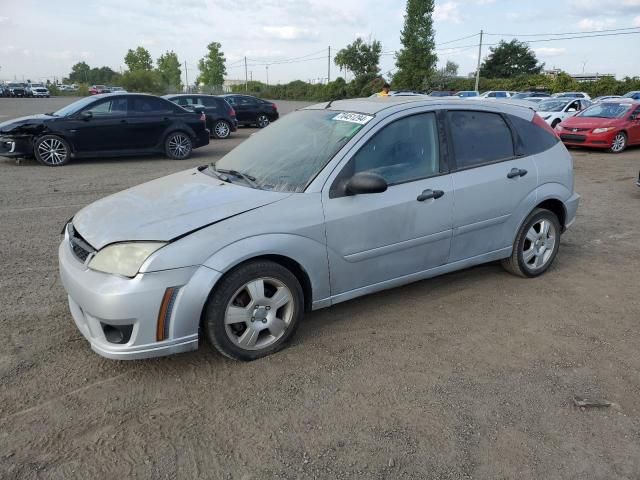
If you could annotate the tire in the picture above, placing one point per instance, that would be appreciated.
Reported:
(221, 129)
(262, 120)
(555, 123)
(619, 143)
(52, 151)
(178, 146)
(532, 255)
(256, 292)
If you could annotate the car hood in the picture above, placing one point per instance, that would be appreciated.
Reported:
(16, 123)
(585, 122)
(167, 208)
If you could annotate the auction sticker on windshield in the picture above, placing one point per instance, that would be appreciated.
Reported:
(359, 118)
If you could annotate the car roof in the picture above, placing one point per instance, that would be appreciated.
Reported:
(176, 95)
(389, 105)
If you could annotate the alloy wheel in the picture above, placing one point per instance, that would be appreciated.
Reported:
(221, 129)
(539, 244)
(52, 151)
(263, 121)
(179, 146)
(259, 313)
(619, 143)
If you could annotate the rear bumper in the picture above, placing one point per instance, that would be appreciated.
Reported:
(201, 139)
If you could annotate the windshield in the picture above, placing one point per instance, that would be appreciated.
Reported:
(606, 110)
(15, 85)
(74, 107)
(552, 105)
(288, 154)
(630, 95)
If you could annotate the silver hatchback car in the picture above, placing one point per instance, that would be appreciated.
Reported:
(332, 202)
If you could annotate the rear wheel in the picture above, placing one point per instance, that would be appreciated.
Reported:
(536, 245)
(254, 310)
(221, 129)
(262, 120)
(619, 143)
(52, 151)
(178, 146)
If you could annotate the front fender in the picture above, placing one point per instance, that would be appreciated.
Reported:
(310, 254)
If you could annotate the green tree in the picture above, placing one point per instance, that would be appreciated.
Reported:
(170, 71)
(564, 83)
(138, 60)
(416, 61)
(444, 76)
(361, 59)
(211, 66)
(80, 73)
(509, 59)
(147, 81)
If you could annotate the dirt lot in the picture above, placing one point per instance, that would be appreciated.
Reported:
(470, 375)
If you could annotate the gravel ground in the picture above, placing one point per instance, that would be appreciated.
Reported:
(470, 375)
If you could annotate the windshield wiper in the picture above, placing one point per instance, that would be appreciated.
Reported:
(221, 173)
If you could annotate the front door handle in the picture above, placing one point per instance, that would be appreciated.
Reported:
(427, 194)
(516, 172)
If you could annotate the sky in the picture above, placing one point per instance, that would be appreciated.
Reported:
(43, 39)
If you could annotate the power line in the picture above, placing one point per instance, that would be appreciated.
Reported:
(575, 37)
(458, 39)
(564, 33)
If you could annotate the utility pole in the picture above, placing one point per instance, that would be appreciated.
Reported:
(329, 66)
(267, 67)
(479, 58)
(251, 75)
(186, 75)
(245, 75)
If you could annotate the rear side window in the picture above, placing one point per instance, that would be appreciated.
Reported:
(532, 139)
(209, 102)
(150, 105)
(479, 138)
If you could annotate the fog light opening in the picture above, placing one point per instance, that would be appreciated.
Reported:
(119, 334)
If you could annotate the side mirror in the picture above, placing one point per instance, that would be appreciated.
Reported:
(571, 110)
(88, 115)
(366, 182)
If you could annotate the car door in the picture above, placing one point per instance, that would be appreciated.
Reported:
(490, 183)
(373, 238)
(633, 128)
(246, 109)
(149, 117)
(211, 109)
(104, 130)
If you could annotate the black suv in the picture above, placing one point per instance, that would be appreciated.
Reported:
(221, 117)
(16, 89)
(251, 110)
(107, 125)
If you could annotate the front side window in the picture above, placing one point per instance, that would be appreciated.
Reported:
(185, 101)
(111, 107)
(479, 138)
(402, 151)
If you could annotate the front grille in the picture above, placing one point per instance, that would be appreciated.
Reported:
(81, 249)
(573, 138)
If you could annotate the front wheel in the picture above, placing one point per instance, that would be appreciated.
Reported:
(619, 143)
(254, 310)
(52, 151)
(536, 245)
(262, 120)
(221, 129)
(178, 146)
(555, 123)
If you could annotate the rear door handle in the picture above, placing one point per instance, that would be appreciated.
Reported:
(516, 172)
(427, 194)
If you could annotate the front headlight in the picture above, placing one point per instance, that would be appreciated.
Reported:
(124, 258)
(604, 130)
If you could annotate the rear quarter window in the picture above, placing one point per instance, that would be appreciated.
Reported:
(531, 139)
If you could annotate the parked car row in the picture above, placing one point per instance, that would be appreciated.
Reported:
(119, 123)
(18, 89)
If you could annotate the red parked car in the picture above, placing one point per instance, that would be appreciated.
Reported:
(613, 125)
(98, 89)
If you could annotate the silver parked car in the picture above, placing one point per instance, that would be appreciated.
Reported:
(332, 202)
